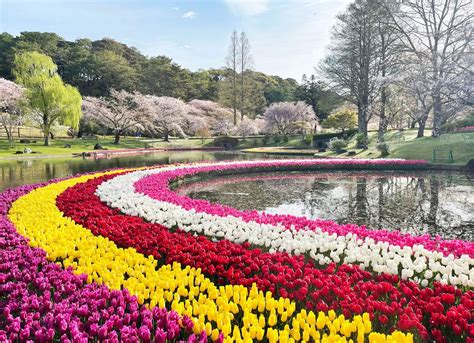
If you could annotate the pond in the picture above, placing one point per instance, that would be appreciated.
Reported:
(26, 171)
(418, 202)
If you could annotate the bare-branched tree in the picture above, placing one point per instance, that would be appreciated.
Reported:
(438, 35)
(232, 63)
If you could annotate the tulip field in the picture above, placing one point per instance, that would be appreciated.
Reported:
(119, 255)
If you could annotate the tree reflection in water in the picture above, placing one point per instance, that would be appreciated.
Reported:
(418, 202)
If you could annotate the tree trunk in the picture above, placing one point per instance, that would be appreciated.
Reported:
(421, 128)
(117, 137)
(362, 119)
(362, 123)
(242, 97)
(167, 136)
(46, 128)
(234, 102)
(9, 136)
(437, 116)
(383, 118)
(46, 138)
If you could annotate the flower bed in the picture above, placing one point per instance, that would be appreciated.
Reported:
(42, 302)
(229, 278)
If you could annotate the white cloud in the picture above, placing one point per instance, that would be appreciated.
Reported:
(175, 8)
(189, 15)
(247, 7)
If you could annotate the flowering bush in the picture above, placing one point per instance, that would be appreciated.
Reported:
(235, 275)
(465, 129)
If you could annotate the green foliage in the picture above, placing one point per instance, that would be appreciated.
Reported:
(226, 142)
(342, 120)
(254, 99)
(463, 122)
(95, 67)
(308, 139)
(383, 148)
(337, 144)
(317, 94)
(46, 94)
(277, 89)
(362, 141)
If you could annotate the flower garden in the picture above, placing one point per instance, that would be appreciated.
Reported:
(119, 255)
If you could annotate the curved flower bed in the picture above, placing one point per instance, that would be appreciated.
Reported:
(40, 301)
(345, 289)
(231, 310)
(174, 276)
(418, 258)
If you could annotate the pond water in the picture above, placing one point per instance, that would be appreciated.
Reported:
(417, 202)
(19, 172)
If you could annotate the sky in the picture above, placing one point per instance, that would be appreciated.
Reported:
(287, 37)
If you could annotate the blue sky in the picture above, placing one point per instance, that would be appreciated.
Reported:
(287, 37)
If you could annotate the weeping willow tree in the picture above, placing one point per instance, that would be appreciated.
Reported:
(48, 98)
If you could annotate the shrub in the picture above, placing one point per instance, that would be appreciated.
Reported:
(265, 139)
(362, 141)
(285, 139)
(226, 142)
(337, 144)
(384, 148)
(455, 125)
(308, 139)
(277, 139)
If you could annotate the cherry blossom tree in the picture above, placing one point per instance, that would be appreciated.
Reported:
(165, 115)
(219, 118)
(199, 127)
(246, 127)
(119, 112)
(288, 118)
(223, 128)
(10, 114)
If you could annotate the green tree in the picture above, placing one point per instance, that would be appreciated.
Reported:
(49, 100)
(280, 90)
(163, 77)
(316, 94)
(343, 119)
(109, 70)
(6, 55)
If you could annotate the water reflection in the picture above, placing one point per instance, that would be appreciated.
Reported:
(14, 173)
(426, 202)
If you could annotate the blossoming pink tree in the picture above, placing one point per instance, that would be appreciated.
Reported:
(165, 115)
(246, 127)
(10, 113)
(120, 112)
(219, 118)
(287, 118)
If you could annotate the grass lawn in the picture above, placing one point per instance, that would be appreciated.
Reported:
(402, 145)
(79, 145)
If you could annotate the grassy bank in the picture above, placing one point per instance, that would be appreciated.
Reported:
(57, 147)
(402, 145)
